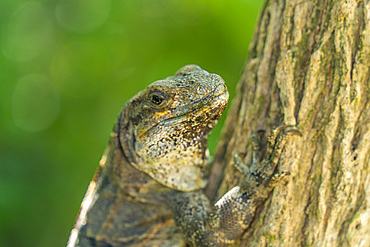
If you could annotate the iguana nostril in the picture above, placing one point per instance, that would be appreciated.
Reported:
(220, 89)
(200, 90)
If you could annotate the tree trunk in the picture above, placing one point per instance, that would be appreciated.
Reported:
(309, 66)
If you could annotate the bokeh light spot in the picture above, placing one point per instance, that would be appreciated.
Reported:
(35, 103)
(27, 33)
(82, 15)
(79, 68)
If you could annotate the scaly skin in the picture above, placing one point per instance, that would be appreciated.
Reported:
(148, 190)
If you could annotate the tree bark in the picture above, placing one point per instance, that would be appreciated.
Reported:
(309, 66)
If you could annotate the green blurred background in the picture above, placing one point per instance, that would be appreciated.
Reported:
(66, 69)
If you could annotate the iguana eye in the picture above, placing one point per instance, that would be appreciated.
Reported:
(156, 99)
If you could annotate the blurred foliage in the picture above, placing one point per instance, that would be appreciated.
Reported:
(66, 69)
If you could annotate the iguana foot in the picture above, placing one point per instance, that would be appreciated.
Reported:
(265, 171)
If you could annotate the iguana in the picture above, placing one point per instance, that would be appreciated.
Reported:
(148, 190)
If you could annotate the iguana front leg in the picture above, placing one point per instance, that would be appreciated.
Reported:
(221, 224)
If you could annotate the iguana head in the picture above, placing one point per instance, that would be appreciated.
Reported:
(168, 124)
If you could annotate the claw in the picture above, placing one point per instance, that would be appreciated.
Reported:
(277, 177)
(239, 164)
(275, 132)
(273, 141)
(294, 132)
(274, 151)
(261, 132)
